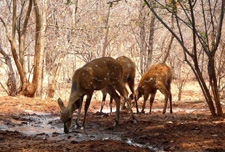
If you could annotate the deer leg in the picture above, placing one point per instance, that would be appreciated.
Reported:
(170, 98)
(116, 97)
(146, 95)
(151, 102)
(88, 100)
(123, 91)
(110, 104)
(129, 106)
(123, 105)
(164, 91)
(165, 105)
(78, 118)
(131, 86)
(77, 125)
(103, 100)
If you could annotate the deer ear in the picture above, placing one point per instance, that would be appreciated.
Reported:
(60, 103)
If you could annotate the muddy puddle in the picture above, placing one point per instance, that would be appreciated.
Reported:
(33, 124)
(48, 126)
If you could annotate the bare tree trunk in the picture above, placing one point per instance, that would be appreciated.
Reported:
(31, 88)
(168, 49)
(180, 87)
(179, 93)
(54, 78)
(213, 84)
(11, 83)
(22, 34)
(13, 48)
(151, 37)
(41, 76)
(142, 36)
(54, 75)
(74, 19)
(172, 37)
(107, 31)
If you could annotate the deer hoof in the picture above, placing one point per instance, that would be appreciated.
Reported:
(134, 121)
(115, 124)
(77, 126)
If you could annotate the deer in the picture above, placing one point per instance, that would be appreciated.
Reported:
(158, 77)
(100, 74)
(128, 78)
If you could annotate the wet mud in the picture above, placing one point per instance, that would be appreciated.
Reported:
(37, 127)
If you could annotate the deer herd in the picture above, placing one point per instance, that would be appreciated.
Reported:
(110, 76)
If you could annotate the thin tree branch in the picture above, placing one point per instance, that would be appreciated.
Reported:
(27, 17)
(6, 29)
(173, 33)
(20, 16)
(204, 19)
(220, 28)
(194, 33)
(14, 21)
(4, 88)
(212, 21)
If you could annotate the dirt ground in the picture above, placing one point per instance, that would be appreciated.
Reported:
(32, 124)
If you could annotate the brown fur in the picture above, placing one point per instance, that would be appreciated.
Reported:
(128, 77)
(102, 73)
(158, 77)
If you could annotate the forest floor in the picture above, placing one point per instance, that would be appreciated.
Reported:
(32, 124)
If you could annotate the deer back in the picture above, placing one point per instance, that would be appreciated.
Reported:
(97, 74)
(128, 68)
(158, 75)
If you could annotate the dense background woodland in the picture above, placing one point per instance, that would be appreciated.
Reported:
(43, 42)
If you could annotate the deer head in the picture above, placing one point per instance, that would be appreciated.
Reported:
(66, 113)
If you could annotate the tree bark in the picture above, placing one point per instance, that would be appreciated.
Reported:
(11, 82)
(151, 37)
(42, 54)
(54, 76)
(107, 31)
(13, 48)
(142, 37)
(22, 34)
(33, 87)
(29, 89)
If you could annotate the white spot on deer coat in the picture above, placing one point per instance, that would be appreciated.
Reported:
(149, 80)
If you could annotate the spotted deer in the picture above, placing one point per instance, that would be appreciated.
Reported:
(128, 78)
(102, 73)
(158, 77)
